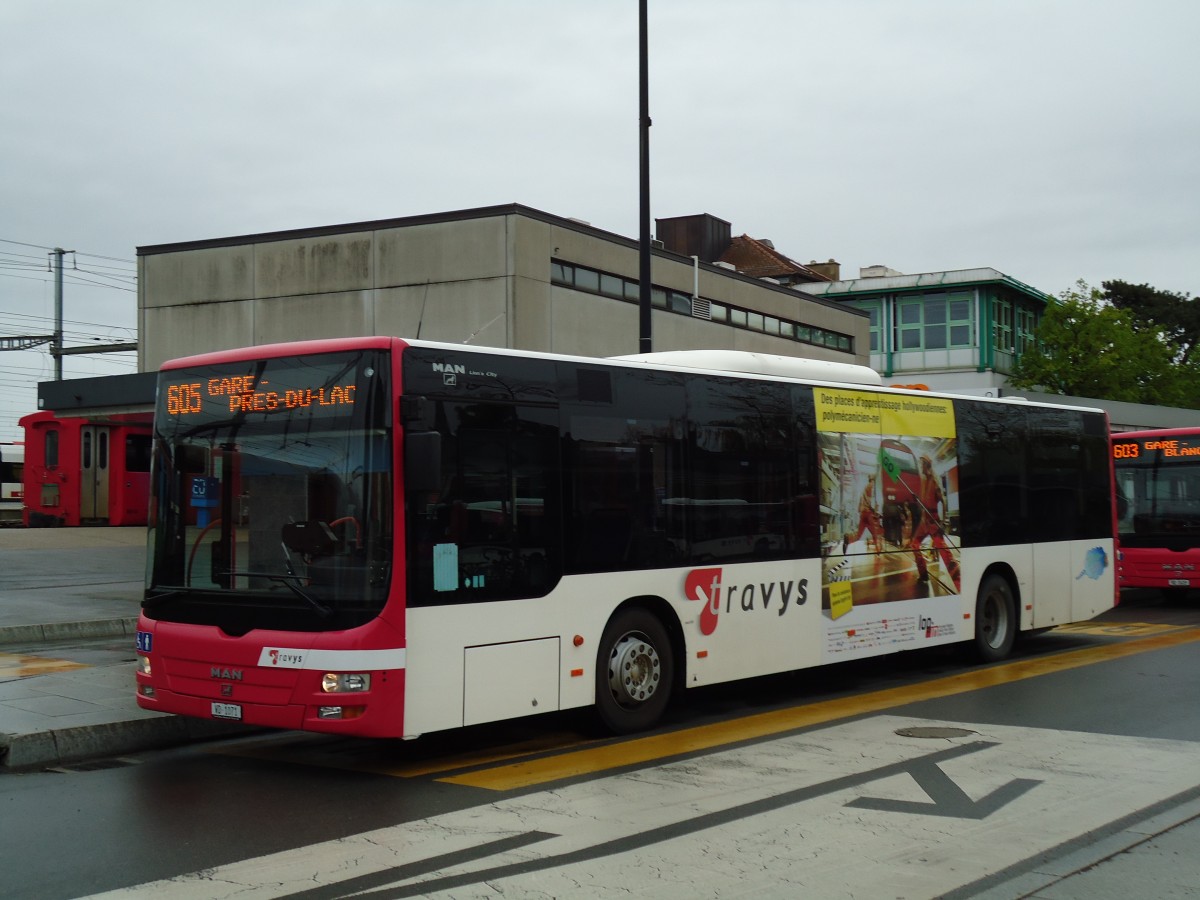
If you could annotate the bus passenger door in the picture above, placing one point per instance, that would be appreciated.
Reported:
(93, 472)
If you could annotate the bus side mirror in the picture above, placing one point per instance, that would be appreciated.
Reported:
(423, 460)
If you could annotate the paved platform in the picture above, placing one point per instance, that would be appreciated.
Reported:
(68, 612)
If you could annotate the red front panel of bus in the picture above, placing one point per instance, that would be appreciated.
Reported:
(274, 679)
(1156, 567)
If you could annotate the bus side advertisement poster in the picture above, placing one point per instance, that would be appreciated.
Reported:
(889, 497)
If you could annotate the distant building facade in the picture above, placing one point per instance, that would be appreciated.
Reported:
(959, 331)
(506, 276)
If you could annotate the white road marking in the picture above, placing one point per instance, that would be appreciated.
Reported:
(835, 812)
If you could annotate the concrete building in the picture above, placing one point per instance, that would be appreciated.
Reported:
(502, 276)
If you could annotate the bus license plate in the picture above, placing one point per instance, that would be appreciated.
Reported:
(227, 711)
(1179, 582)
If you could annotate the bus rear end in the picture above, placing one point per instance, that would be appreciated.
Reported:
(271, 544)
(1158, 489)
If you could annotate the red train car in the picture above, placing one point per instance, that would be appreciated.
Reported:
(86, 470)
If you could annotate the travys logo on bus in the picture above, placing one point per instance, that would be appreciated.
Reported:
(706, 586)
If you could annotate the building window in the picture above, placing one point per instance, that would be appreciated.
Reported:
(1002, 325)
(909, 323)
(612, 286)
(587, 279)
(874, 313)
(959, 320)
(679, 303)
(626, 289)
(934, 322)
(1027, 322)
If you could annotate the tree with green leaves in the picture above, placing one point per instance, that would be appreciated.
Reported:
(1175, 314)
(1088, 347)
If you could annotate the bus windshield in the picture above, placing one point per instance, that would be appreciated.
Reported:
(1161, 502)
(271, 491)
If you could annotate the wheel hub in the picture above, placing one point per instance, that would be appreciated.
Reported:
(634, 670)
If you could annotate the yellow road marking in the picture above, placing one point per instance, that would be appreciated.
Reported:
(18, 665)
(706, 737)
(1118, 629)
(467, 760)
(316, 750)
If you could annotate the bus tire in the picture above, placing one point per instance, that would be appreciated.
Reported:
(635, 670)
(995, 619)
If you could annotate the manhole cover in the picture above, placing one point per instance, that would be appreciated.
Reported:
(933, 731)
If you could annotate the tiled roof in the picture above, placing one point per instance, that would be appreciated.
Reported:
(759, 259)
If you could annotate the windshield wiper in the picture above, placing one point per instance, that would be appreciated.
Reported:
(151, 601)
(288, 581)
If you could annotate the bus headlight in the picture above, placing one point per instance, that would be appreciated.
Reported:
(345, 682)
(143, 665)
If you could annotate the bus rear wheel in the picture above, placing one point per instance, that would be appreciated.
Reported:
(995, 619)
(635, 671)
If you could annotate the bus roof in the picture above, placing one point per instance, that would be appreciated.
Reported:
(731, 362)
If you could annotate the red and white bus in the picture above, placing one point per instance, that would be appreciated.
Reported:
(1158, 529)
(383, 537)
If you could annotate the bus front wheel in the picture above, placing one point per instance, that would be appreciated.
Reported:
(995, 619)
(634, 672)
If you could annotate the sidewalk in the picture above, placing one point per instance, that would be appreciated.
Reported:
(68, 613)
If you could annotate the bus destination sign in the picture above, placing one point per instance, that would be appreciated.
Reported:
(326, 386)
(245, 394)
(1157, 449)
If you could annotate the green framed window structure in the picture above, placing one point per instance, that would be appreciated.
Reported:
(935, 321)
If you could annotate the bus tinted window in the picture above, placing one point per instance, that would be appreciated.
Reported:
(742, 496)
(1032, 474)
(490, 529)
(623, 455)
(1070, 494)
(992, 472)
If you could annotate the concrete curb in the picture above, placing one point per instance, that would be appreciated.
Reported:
(45, 749)
(18, 635)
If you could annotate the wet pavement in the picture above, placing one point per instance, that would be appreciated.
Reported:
(68, 614)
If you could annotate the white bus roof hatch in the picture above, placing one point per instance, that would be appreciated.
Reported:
(760, 364)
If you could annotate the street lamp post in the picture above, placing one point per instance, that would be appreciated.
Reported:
(644, 342)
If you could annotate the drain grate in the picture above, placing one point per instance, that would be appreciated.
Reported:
(934, 731)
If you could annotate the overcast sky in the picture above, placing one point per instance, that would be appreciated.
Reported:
(1053, 140)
